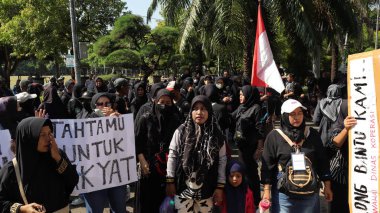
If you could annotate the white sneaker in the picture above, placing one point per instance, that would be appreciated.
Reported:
(77, 201)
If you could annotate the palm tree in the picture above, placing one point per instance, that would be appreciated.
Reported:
(222, 24)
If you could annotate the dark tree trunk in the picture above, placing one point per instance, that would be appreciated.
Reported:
(333, 61)
(248, 50)
(10, 65)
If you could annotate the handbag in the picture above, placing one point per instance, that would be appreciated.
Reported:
(159, 161)
(65, 209)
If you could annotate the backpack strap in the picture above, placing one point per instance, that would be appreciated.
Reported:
(18, 176)
(290, 142)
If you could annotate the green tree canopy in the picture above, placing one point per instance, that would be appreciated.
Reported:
(124, 58)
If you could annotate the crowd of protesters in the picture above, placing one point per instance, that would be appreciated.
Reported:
(192, 121)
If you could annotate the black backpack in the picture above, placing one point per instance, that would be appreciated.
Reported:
(297, 183)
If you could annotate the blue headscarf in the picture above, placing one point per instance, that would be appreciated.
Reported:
(235, 196)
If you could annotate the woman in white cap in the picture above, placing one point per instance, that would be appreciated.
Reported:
(297, 149)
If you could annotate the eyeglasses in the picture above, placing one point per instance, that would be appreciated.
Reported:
(107, 104)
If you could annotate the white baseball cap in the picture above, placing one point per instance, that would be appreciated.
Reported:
(290, 105)
(24, 96)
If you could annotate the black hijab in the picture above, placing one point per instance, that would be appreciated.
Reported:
(102, 88)
(296, 134)
(201, 144)
(251, 94)
(139, 100)
(99, 95)
(8, 112)
(53, 104)
(212, 92)
(163, 113)
(28, 133)
(155, 87)
(77, 90)
(41, 181)
(252, 97)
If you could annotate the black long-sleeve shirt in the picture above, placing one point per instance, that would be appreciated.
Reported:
(53, 194)
(278, 151)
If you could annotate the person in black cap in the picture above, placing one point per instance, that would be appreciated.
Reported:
(85, 100)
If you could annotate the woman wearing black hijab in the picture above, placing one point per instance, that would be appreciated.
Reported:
(8, 114)
(52, 104)
(139, 99)
(222, 116)
(153, 133)
(278, 152)
(74, 106)
(100, 86)
(47, 176)
(249, 134)
(197, 160)
(96, 201)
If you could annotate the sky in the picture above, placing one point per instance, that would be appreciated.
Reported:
(140, 7)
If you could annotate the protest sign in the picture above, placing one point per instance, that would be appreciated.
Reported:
(5, 147)
(363, 86)
(103, 150)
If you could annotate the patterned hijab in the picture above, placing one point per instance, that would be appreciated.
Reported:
(201, 142)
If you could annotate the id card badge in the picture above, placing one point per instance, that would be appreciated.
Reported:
(298, 161)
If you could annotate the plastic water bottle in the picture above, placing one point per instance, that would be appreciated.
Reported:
(264, 205)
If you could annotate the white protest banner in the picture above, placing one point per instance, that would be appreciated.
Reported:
(5, 147)
(102, 148)
(363, 87)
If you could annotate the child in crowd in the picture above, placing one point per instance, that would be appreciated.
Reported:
(238, 196)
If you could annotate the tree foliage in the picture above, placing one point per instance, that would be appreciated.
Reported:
(226, 28)
(41, 29)
(149, 50)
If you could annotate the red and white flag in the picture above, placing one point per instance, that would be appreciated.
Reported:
(264, 69)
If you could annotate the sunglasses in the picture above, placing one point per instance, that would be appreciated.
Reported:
(106, 104)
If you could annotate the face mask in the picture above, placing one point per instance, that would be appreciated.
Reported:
(163, 109)
(219, 86)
